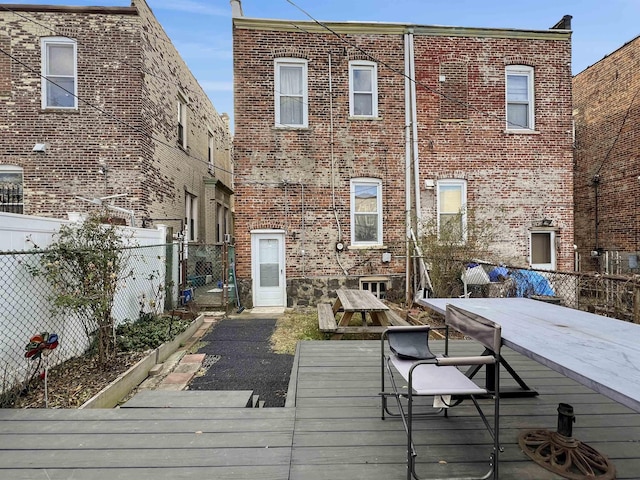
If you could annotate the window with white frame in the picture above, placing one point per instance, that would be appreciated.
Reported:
(542, 248)
(191, 216)
(363, 89)
(519, 92)
(182, 120)
(376, 285)
(452, 216)
(366, 211)
(11, 189)
(59, 73)
(291, 96)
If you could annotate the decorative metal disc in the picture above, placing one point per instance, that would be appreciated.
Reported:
(566, 456)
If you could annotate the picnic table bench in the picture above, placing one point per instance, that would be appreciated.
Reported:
(354, 301)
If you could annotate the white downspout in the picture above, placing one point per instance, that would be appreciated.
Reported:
(420, 264)
(414, 125)
(407, 169)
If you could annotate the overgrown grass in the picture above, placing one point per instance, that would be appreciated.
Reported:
(295, 325)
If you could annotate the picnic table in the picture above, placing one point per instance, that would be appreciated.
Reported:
(354, 301)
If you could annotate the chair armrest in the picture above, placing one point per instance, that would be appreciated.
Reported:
(408, 328)
(478, 360)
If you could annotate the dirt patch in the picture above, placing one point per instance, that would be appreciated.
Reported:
(74, 382)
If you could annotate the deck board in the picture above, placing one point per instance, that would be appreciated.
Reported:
(339, 431)
(334, 431)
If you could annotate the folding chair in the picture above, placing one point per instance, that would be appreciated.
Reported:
(426, 374)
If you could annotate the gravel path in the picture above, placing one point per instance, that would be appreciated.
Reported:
(239, 357)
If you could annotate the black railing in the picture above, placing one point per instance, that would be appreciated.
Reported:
(11, 198)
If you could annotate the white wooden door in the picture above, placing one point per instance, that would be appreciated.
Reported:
(267, 254)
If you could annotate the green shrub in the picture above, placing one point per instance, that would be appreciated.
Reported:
(149, 332)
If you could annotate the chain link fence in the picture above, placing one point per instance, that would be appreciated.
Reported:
(209, 275)
(607, 295)
(150, 285)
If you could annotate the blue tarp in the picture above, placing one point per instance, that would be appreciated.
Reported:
(497, 272)
(530, 283)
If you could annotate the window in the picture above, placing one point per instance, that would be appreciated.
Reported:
(291, 97)
(59, 65)
(191, 216)
(222, 224)
(452, 217)
(11, 192)
(543, 251)
(376, 285)
(211, 153)
(520, 112)
(366, 211)
(182, 121)
(363, 89)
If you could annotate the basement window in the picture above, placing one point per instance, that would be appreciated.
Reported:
(11, 189)
(375, 285)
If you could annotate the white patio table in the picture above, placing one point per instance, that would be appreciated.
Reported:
(601, 353)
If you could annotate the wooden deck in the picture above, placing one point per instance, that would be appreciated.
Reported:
(331, 429)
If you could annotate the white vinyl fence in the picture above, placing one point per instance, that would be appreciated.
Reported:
(25, 306)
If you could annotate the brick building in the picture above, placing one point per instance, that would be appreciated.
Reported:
(607, 162)
(96, 102)
(340, 158)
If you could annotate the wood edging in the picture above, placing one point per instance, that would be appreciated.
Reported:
(113, 393)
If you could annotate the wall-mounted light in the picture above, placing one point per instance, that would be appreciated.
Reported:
(40, 147)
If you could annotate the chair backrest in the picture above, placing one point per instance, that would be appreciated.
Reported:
(410, 343)
(485, 331)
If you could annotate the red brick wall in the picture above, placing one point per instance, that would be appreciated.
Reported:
(513, 179)
(266, 156)
(522, 177)
(607, 114)
(5, 64)
(129, 75)
(77, 141)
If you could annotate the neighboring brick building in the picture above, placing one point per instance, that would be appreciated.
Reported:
(95, 102)
(329, 151)
(606, 106)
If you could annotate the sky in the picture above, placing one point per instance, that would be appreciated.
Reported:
(201, 29)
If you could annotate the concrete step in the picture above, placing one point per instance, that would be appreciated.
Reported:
(190, 399)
